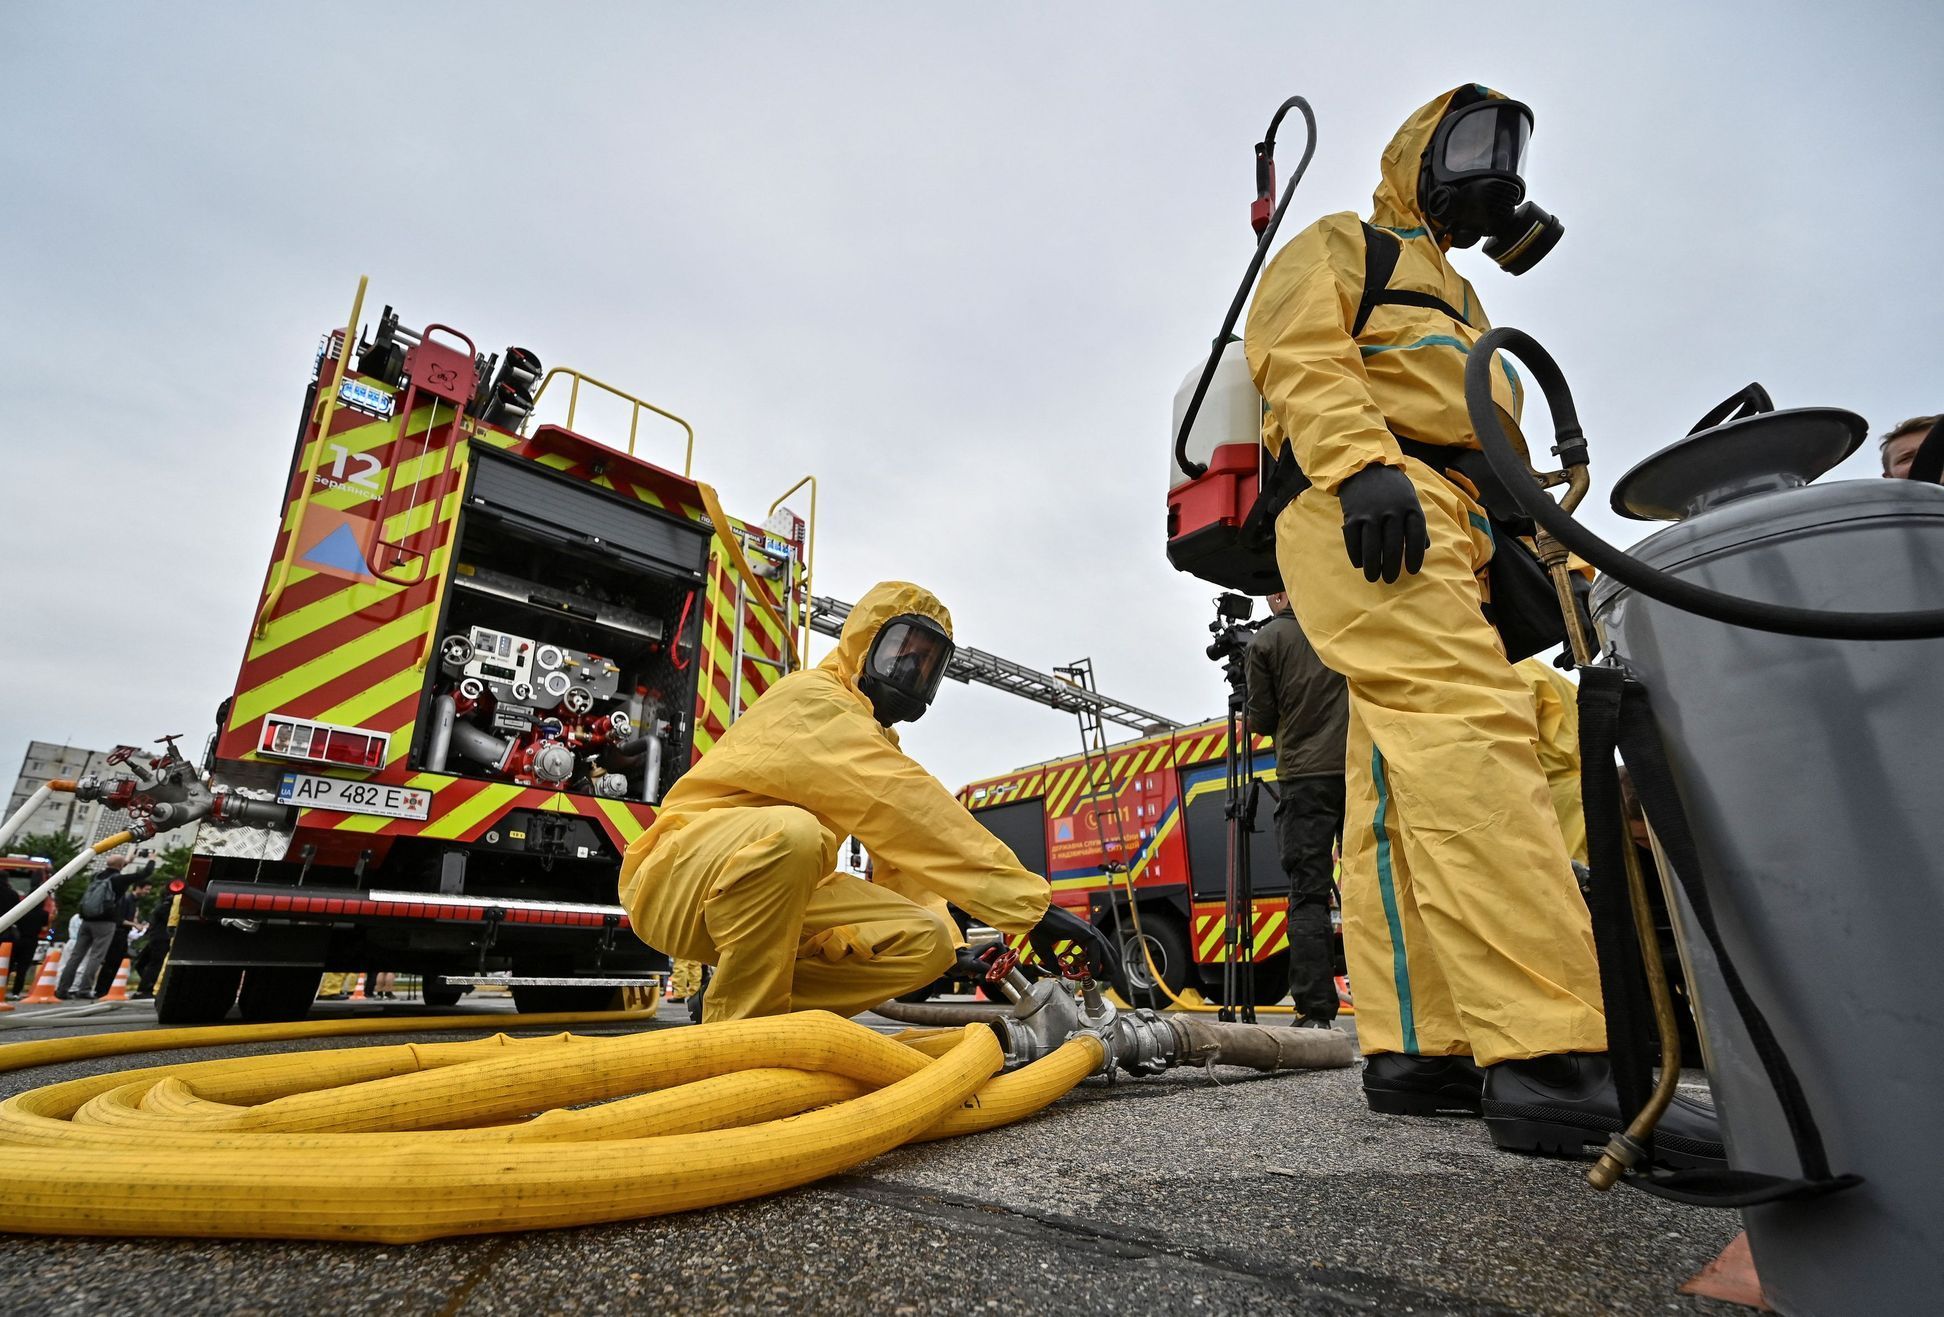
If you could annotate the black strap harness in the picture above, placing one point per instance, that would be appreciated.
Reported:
(1614, 715)
(1285, 479)
(1381, 250)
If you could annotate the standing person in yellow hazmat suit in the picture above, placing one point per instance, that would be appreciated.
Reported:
(739, 868)
(1555, 708)
(1468, 942)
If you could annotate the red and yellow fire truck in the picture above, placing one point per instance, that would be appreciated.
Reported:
(1166, 833)
(483, 649)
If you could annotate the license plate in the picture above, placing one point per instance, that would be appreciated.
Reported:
(352, 797)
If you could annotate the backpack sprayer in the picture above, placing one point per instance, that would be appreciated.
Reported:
(1785, 755)
(1219, 529)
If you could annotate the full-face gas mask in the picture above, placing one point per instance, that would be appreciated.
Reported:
(906, 662)
(1472, 185)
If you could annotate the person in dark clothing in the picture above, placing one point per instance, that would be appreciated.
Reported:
(126, 912)
(81, 967)
(24, 936)
(1305, 708)
(155, 945)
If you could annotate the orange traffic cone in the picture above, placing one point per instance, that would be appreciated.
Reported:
(357, 988)
(6, 974)
(119, 990)
(44, 986)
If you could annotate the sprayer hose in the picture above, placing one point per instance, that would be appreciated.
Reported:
(418, 1141)
(1510, 467)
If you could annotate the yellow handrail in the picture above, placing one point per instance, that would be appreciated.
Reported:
(809, 553)
(634, 416)
(317, 452)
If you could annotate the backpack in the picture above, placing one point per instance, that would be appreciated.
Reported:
(98, 902)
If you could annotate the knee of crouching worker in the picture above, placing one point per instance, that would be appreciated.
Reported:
(937, 945)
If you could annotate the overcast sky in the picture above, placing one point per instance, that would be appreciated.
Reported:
(955, 260)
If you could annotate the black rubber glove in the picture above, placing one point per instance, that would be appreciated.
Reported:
(1383, 523)
(1059, 924)
(970, 965)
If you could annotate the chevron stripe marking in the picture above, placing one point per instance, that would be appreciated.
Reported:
(492, 798)
(390, 706)
(621, 819)
(265, 698)
(1206, 948)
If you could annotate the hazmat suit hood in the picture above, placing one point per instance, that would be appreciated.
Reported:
(1395, 203)
(881, 603)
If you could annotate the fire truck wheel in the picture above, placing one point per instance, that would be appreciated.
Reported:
(533, 999)
(437, 993)
(197, 994)
(1167, 945)
(273, 993)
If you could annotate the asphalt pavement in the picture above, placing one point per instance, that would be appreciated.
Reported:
(1196, 1192)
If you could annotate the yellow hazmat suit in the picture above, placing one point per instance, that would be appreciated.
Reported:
(1464, 930)
(1555, 704)
(738, 869)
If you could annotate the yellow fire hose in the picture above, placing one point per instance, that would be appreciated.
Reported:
(415, 1141)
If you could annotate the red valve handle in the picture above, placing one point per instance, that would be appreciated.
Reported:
(1002, 961)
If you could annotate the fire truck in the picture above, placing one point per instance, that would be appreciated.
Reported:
(484, 648)
(1149, 814)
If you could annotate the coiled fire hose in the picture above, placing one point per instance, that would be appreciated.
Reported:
(416, 1141)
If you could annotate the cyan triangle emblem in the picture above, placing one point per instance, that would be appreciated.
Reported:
(339, 550)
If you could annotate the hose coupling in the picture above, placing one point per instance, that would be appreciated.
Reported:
(1048, 1013)
(1141, 1042)
(1044, 1016)
(1620, 1155)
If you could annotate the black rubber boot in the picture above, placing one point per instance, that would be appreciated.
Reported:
(1566, 1106)
(1399, 1085)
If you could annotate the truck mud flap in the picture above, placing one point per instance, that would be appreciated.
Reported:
(225, 943)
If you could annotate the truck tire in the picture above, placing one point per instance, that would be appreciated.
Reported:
(1168, 945)
(274, 993)
(197, 994)
(533, 999)
(443, 994)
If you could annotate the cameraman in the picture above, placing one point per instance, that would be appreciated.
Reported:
(1306, 708)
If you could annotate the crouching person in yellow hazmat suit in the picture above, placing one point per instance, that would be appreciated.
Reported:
(1469, 945)
(739, 869)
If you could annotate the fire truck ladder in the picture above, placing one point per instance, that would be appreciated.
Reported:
(1115, 856)
(1057, 692)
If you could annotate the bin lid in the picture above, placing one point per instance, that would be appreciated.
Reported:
(1753, 455)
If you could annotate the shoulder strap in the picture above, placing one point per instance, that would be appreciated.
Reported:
(1381, 248)
(1380, 260)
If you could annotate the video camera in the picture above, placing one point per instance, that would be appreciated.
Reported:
(1231, 627)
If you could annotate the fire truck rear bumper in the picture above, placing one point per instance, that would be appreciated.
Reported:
(223, 900)
(262, 924)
